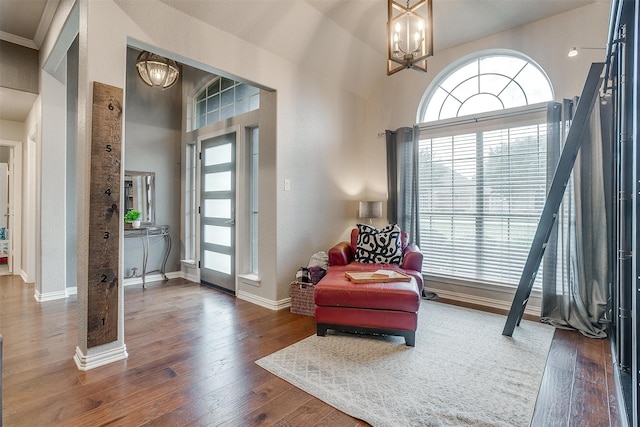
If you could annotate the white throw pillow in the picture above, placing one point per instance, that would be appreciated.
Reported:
(379, 246)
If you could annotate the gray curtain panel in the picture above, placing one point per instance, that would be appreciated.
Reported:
(402, 180)
(576, 276)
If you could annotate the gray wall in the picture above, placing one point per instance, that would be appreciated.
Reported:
(19, 67)
(153, 132)
(4, 154)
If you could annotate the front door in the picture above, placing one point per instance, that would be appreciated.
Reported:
(217, 212)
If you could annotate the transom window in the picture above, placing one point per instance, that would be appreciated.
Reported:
(224, 98)
(482, 172)
(486, 83)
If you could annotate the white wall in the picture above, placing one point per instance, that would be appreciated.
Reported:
(30, 173)
(51, 279)
(10, 130)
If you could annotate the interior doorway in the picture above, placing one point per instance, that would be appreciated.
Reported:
(10, 226)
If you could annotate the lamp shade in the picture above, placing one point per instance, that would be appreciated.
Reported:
(370, 209)
(157, 71)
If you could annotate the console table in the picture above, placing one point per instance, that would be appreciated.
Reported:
(145, 233)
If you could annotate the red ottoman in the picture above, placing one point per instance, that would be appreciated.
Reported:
(389, 308)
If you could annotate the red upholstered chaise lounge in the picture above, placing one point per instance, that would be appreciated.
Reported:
(389, 308)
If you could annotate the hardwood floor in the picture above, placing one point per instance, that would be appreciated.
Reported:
(191, 363)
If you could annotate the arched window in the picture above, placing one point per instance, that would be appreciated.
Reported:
(485, 82)
(482, 172)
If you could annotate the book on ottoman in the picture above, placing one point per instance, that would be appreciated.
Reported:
(377, 276)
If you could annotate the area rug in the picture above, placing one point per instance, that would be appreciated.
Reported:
(462, 371)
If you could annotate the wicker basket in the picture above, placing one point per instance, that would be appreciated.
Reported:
(302, 298)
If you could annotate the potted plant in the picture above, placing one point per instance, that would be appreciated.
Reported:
(133, 216)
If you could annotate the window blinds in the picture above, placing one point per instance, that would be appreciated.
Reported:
(482, 187)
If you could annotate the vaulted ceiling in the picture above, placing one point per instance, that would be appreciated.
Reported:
(283, 26)
(456, 21)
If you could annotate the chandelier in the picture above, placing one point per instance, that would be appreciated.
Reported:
(157, 71)
(409, 35)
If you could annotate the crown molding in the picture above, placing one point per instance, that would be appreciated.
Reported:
(22, 41)
(45, 22)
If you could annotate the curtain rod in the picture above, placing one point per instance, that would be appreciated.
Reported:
(490, 115)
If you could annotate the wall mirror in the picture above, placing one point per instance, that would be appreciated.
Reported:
(139, 193)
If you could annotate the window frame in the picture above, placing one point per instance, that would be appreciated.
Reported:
(253, 183)
(448, 71)
(191, 202)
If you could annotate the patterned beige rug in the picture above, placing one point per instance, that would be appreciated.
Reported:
(462, 372)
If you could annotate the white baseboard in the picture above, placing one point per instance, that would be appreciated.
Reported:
(157, 277)
(24, 276)
(138, 280)
(175, 275)
(482, 301)
(264, 302)
(531, 308)
(456, 296)
(190, 277)
(50, 296)
(87, 362)
(126, 282)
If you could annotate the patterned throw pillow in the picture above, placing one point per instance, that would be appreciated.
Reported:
(379, 246)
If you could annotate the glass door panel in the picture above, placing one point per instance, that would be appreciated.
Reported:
(217, 208)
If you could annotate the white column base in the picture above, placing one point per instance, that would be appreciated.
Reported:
(90, 361)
